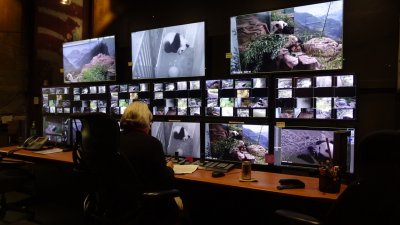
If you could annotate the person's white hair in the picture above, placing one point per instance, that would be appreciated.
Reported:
(136, 115)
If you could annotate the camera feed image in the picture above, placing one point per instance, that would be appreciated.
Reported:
(304, 108)
(227, 111)
(227, 84)
(284, 113)
(243, 112)
(133, 88)
(170, 87)
(285, 83)
(181, 86)
(243, 93)
(259, 113)
(91, 60)
(285, 93)
(304, 146)
(259, 83)
(180, 137)
(194, 85)
(345, 81)
(169, 52)
(303, 38)
(144, 87)
(158, 87)
(303, 83)
(56, 129)
(236, 142)
(323, 108)
(323, 81)
(242, 84)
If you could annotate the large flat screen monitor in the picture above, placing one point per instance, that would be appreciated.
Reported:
(91, 60)
(308, 37)
(169, 52)
(236, 142)
(182, 138)
(306, 147)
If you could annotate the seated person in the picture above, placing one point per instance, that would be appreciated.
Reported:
(146, 155)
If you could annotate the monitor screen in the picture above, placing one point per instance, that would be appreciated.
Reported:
(57, 129)
(237, 97)
(237, 142)
(316, 97)
(91, 60)
(180, 137)
(56, 100)
(308, 37)
(306, 147)
(88, 99)
(169, 52)
(181, 98)
(121, 95)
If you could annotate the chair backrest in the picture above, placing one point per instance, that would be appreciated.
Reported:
(375, 197)
(97, 141)
(109, 178)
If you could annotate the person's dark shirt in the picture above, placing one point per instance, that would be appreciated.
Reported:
(145, 153)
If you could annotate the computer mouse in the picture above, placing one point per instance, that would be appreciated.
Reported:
(217, 174)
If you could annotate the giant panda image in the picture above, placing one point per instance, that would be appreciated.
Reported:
(175, 43)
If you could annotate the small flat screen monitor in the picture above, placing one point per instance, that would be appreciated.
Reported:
(91, 60)
(121, 95)
(180, 137)
(236, 142)
(87, 99)
(57, 129)
(181, 98)
(237, 97)
(56, 100)
(302, 38)
(316, 97)
(169, 52)
(306, 147)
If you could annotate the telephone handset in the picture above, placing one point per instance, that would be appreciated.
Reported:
(34, 142)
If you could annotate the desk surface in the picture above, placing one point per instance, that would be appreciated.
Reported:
(266, 181)
(65, 157)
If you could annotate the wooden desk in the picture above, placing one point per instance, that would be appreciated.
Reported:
(63, 157)
(266, 181)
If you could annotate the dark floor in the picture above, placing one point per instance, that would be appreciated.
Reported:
(57, 198)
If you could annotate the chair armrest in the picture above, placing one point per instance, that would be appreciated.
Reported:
(297, 217)
(162, 194)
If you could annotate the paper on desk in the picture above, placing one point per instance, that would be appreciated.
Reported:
(49, 151)
(182, 169)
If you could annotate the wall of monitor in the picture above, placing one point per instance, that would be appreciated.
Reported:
(206, 79)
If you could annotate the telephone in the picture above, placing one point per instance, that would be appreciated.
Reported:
(34, 142)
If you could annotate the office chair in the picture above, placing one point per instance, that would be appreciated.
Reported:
(374, 198)
(115, 194)
(14, 177)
